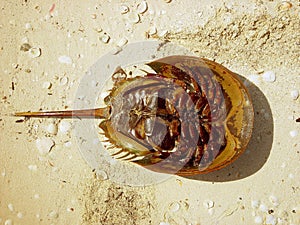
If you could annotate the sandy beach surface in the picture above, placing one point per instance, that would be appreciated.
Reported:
(47, 49)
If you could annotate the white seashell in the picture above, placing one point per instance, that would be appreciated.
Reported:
(174, 207)
(270, 219)
(64, 126)
(294, 94)
(208, 204)
(162, 33)
(98, 30)
(124, 9)
(263, 208)
(258, 220)
(53, 214)
(68, 144)
(133, 18)
(105, 38)
(255, 204)
(164, 223)
(34, 52)
(285, 5)
(63, 81)
(116, 50)
(36, 196)
(293, 133)
(20, 215)
(44, 145)
(52, 128)
(24, 40)
(101, 175)
(142, 7)
(122, 42)
(47, 85)
(10, 207)
(152, 30)
(291, 176)
(32, 167)
(28, 26)
(8, 222)
(65, 59)
(269, 76)
(274, 200)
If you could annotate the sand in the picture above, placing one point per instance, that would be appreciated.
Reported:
(53, 184)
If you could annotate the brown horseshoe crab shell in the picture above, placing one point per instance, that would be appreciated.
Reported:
(191, 116)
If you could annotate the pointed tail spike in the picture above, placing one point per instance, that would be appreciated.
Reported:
(101, 113)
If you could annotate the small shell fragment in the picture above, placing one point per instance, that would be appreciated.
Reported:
(258, 220)
(122, 42)
(34, 52)
(263, 208)
(105, 38)
(285, 5)
(162, 33)
(142, 7)
(133, 18)
(53, 214)
(255, 204)
(28, 26)
(63, 81)
(52, 128)
(116, 50)
(36, 196)
(174, 207)
(124, 9)
(10, 207)
(20, 215)
(25, 47)
(164, 223)
(208, 204)
(291, 176)
(47, 85)
(152, 30)
(24, 40)
(294, 94)
(68, 144)
(168, 1)
(70, 209)
(65, 59)
(269, 76)
(270, 219)
(64, 126)
(8, 222)
(32, 167)
(101, 175)
(293, 133)
(274, 200)
(44, 145)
